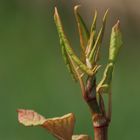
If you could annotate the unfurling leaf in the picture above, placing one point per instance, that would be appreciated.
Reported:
(83, 31)
(94, 54)
(115, 42)
(81, 137)
(115, 45)
(65, 43)
(93, 26)
(105, 83)
(92, 37)
(69, 63)
(61, 127)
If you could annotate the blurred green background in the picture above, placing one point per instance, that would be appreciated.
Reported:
(33, 75)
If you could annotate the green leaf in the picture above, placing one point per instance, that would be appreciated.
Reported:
(105, 83)
(115, 42)
(69, 63)
(115, 45)
(83, 31)
(93, 26)
(93, 57)
(64, 44)
(69, 50)
(79, 63)
(92, 37)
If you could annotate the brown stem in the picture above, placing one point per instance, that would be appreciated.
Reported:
(100, 122)
(90, 96)
(100, 133)
(109, 113)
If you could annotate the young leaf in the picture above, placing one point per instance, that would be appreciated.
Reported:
(91, 40)
(69, 63)
(115, 42)
(93, 26)
(83, 31)
(115, 45)
(67, 46)
(64, 43)
(105, 83)
(93, 57)
(61, 127)
(81, 137)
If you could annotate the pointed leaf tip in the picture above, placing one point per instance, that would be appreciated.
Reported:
(105, 15)
(76, 7)
(93, 26)
(55, 11)
(56, 15)
(83, 31)
(116, 27)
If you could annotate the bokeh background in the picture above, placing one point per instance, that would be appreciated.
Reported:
(33, 75)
